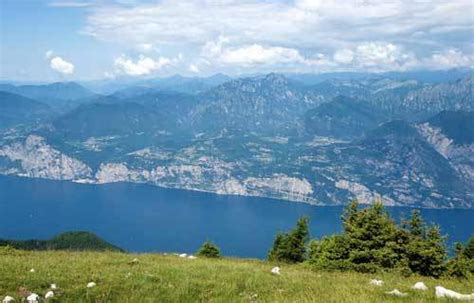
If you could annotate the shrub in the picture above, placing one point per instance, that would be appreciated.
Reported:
(330, 253)
(372, 237)
(209, 250)
(469, 249)
(426, 250)
(459, 268)
(7, 250)
(291, 247)
(371, 241)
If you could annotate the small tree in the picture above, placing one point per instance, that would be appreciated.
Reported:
(372, 238)
(469, 249)
(459, 266)
(330, 253)
(416, 225)
(276, 253)
(209, 250)
(291, 247)
(427, 253)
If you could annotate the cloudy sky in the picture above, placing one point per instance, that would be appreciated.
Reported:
(91, 39)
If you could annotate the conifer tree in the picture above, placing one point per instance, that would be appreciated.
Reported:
(291, 247)
(469, 249)
(209, 250)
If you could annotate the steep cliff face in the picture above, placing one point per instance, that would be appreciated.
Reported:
(451, 133)
(35, 158)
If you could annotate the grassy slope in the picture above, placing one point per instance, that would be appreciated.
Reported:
(158, 278)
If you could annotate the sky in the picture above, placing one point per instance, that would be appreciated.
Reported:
(59, 40)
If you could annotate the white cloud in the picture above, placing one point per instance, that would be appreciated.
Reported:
(145, 47)
(223, 52)
(383, 56)
(302, 22)
(290, 32)
(376, 53)
(48, 54)
(256, 54)
(60, 65)
(344, 56)
(193, 68)
(450, 58)
(143, 65)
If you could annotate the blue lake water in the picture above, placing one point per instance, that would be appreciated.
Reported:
(145, 218)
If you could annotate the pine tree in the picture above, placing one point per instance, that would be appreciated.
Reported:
(276, 252)
(458, 250)
(427, 253)
(297, 239)
(416, 225)
(291, 247)
(459, 266)
(469, 249)
(209, 250)
(350, 215)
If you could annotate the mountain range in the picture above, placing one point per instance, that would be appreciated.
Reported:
(319, 139)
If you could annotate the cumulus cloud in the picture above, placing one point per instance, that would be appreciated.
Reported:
(59, 64)
(193, 68)
(380, 55)
(257, 54)
(253, 54)
(225, 52)
(344, 56)
(450, 58)
(143, 65)
(296, 32)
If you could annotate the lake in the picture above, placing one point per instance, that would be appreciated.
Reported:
(144, 218)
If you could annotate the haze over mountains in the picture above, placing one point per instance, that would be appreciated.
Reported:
(404, 138)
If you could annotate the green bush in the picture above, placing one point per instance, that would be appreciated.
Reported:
(469, 249)
(8, 250)
(371, 241)
(426, 249)
(209, 250)
(291, 247)
(459, 268)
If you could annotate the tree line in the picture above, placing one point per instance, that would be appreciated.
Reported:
(372, 241)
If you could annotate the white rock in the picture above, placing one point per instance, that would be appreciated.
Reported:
(442, 292)
(39, 160)
(192, 257)
(53, 286)
(8, 299)
(33, 298)
(32, 270)
(420, 286)
(134, 261)
(183, 255)
(276, 270)
(376, 282)
(49, 294)
(397, 293)
(91, 284)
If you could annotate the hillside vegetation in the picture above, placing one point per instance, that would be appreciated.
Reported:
(74, 240)
(160, 278)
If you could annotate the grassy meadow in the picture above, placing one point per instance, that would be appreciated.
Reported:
(168, 278)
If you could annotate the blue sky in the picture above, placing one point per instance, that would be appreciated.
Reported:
(91, 39)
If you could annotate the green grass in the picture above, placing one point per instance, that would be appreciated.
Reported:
(159, 278)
